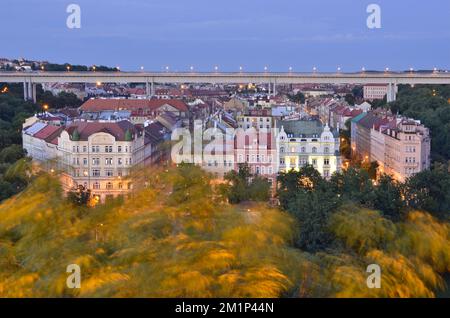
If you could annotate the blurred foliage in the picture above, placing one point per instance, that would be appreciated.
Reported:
(171, 238)
(175, 237)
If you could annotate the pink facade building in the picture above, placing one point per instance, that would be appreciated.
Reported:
(259, 151)
(401, 146)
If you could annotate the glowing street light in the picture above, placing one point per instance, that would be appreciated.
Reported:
(216, 68)
(240, 68)
(363, 69)
(265, 68)
(339, 69)
(45, 107)
(314, 69)
(387, 70)
(142, 68)
(68, 68)
(94, 68)
(290, 68)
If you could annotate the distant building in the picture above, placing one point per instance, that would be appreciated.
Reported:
(258, 119)
(375, 91)
(140, 109)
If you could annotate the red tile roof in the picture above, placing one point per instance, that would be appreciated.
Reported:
(133, 105)
(47, 132)
(116, 129)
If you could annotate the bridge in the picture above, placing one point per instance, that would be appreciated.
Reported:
(391, 79)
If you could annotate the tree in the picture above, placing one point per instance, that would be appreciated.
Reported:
(354, 185)
(80, 197)
(298, 98)
(244, 186)
(429, 190)
(350, 99)
(311, 200)
(11, 154)
(389, 198)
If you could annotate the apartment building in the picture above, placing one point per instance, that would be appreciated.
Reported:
(308, 142)
(96, 155)
(407, 149)
(257, 148)
(375, 91)
(400, 146)
(258, 119)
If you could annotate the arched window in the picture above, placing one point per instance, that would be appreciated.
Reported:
(327, 150)
(314, 150)
(282, 149)
(303, 149)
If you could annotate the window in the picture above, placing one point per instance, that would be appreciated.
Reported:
(108, 148)
(95, 148)
(326, 162)
(96, 173)
(119, 148)
(303, 149)
(84, 149)
(314, 162)
(314, 150)
(108, 161)
(120, 186)
(96, 186)
(109, 186)
(263, 170)
(119, 161)
(282, 149)
(95, 161)
(109, 173)
(326, 150)
(85, 161)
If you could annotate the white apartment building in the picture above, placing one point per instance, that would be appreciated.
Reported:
(303, 142)
(258, 119)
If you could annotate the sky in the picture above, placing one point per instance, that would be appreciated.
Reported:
(254, 34)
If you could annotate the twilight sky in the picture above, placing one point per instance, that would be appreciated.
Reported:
(230, 33)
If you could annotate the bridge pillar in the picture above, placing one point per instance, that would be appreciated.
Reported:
(150, 89)
(392, 92)
(270, 89)
(33, 91)
(25, 90)
(274, 89)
